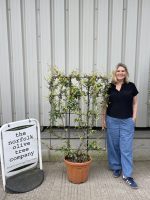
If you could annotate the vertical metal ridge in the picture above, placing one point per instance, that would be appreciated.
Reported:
(124, 30)
(66, 39)
(38, 51)
(138, 36)
(110, 14)
(148, 99)
(1, 112)
(80, 35)
(66, 34)
(10, 53)
(95, 33)
(25, 72)
(52, 32)
(95, 27)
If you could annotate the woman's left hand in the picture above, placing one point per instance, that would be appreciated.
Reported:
(134, 119)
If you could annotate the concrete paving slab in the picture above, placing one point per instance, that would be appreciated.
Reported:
(100, 185)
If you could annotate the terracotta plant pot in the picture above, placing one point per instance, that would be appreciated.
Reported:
(77, 172)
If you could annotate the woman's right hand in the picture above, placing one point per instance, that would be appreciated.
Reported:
(103, 124)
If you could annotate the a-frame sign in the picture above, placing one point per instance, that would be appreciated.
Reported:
(21, 159)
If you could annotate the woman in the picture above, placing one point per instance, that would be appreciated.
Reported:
(120, 117)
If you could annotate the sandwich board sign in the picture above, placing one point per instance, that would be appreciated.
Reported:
(20, 149)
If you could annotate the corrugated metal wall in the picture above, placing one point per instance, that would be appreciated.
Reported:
(82, 35)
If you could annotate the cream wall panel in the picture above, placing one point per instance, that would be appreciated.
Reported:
(59, 31)
(1, 114)
(143, 65)
(31, 60)
(88, 7)
(131, 35)
(73, 35)
(17, 61)
(116, 37)
(73, 39)
(60, 45)
(4, 67)
(102, 42)
(45, 28)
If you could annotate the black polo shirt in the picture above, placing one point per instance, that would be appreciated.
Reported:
(120, 104)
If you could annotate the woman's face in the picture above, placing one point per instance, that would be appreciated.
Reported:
(121, 73)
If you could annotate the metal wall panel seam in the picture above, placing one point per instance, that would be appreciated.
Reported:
(52, 35)
(11, 68)
(66, 34)
(66, 29)
(95, 33)
(81, 41)
(1, 113)
(38, 50)
(80, 35)
(52, 38)
(148, 95)
(25, 72)
(138, 35)
(148, 98)
(110, 12)
(45, 42)
(124, 28)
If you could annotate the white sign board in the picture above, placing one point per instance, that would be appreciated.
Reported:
(20, 148)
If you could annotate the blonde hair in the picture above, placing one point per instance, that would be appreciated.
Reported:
(114, 79)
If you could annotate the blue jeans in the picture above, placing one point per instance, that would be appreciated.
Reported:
(120, 134)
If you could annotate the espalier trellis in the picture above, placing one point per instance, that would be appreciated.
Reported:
(81, 97)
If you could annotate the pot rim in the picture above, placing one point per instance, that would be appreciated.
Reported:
(77, 163)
